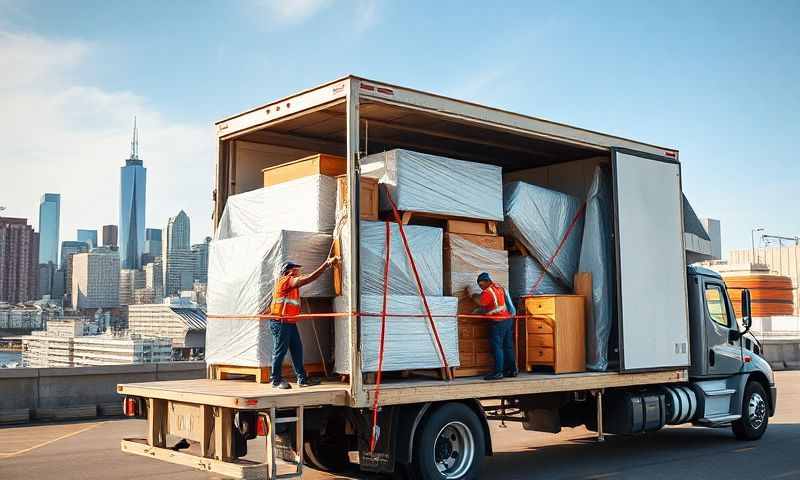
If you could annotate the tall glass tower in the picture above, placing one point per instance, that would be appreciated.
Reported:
(133, 183)
(49, 225)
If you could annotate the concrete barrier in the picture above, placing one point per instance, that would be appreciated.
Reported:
(782, 353)
(59, 393)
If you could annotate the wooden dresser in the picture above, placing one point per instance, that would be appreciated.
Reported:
(554, 333)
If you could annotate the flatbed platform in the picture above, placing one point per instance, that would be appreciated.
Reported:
(247, 395)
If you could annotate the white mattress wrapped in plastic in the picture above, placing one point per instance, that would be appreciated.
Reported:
(409, 342)
(420, 182)
(241, 276)
(540, 218)
(466, 260)
(524, 272)
(306, 204)
(597, 257)
(425, 244)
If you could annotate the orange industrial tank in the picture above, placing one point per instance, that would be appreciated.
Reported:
(769, 294)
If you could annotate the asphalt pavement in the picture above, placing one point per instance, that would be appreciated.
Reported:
(90, 450)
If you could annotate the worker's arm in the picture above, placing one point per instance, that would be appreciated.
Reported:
(476, 298)
(298, 282)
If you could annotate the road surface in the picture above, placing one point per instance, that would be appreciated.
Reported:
(90, 450)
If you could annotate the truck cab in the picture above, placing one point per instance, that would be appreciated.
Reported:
(733, 383)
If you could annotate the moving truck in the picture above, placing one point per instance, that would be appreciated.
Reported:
(682, 355)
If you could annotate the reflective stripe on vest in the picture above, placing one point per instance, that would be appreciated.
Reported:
(498, 308)
(290, 301)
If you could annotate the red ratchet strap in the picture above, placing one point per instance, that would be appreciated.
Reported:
(549, 263)
(373, 439)
(305, 316)
(419, 282)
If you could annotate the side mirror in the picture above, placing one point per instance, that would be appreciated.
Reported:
(747, 320)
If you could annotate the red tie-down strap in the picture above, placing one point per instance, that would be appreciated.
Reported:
(373, 439)
(419, 283)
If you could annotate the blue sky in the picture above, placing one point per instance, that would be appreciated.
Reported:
(718, 80)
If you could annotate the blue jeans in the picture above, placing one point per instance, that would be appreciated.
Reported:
(501, 340)
(286, 337)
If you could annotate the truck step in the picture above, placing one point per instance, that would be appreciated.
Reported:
(719, 420)
(719, 393)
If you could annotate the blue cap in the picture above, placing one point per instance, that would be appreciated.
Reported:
(288, 265)
(484, 277)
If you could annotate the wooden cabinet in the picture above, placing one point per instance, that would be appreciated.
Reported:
(319, 164)
(473, 347)
(368, 196)
(555, 333)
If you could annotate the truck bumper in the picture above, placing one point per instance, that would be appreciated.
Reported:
(773, 392)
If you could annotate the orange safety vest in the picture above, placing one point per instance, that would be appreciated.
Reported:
(493, 299)
(285, 300)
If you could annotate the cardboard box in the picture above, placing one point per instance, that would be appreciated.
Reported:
(368, 201)
(319, 164)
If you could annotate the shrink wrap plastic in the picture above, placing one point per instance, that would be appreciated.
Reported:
(524, 272)
(419, 182)
(539, 218)
(409, 342)
(306, 204)
(597, 257)
(426, 247)
(241, 276)
(467, 260)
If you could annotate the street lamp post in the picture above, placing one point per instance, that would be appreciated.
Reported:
(753, 241)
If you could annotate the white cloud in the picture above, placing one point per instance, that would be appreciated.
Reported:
(290, 12)
(61, 136)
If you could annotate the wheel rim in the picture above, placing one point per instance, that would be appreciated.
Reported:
(757, 410)
(454, 450)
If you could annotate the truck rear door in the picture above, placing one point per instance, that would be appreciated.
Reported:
(651, 274)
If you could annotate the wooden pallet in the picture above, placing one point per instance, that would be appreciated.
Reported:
(260, 374)
(450, 223)
(370, 378)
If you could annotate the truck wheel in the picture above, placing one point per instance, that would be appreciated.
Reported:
(755, 413)
(450, 444)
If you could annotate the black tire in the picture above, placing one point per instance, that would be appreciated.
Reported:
(450, 428)
(755, 413)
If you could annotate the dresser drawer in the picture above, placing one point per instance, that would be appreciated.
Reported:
(536, 305)
(540, 340)
(539, 325)
(540, 355)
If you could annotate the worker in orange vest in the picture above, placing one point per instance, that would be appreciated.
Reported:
(285, 307)
(495, 302)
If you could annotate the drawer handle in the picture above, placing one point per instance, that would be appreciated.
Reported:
(541, 353)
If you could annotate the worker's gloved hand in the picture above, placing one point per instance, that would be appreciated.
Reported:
(332, 261)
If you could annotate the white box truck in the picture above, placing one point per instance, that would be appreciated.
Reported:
(682, 355)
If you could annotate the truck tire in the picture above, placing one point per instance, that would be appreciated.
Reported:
(449, 445)
(755, 413)
(322, 454)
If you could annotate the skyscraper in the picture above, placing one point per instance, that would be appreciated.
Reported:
(88, 236)
(133, 182)
(109, 235)
(69, 248)
(200, 251)
(19, 261)
(152, 245)
(177, 256)
(49, 225)
(178, 230)
(95, 280)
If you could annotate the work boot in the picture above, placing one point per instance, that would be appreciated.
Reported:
(511, 373)
(308, 382)
(494, 376)
(282, 385)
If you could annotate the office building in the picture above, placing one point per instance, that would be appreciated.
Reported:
(109, 235)
(47, 273)
(154, 279)
(133, 184)
(19, 261)
(71, 343)
(152, 245)
(129, 282)
(177, 256)
(23, 318)
(49, 227)
(714, 230)
(88, 236)
(200, 251)
(59, 286)
(69, 248)
(95, 280)
(143, 296)
(182, 322)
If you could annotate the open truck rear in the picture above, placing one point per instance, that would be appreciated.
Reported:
(428, 427)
